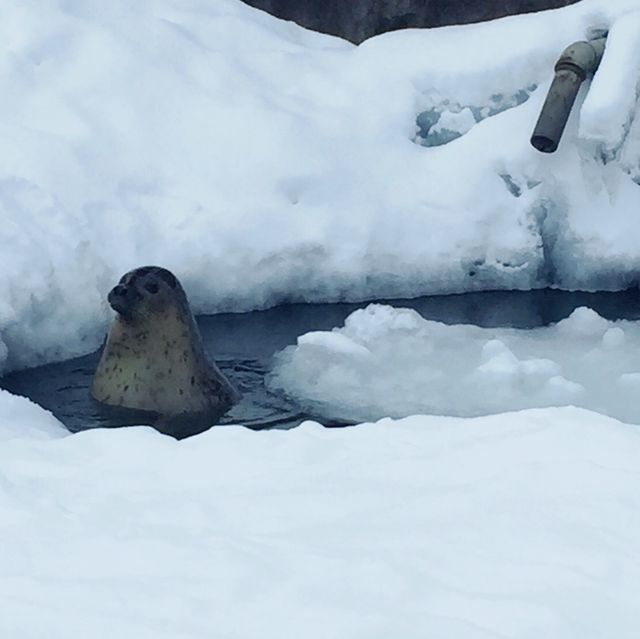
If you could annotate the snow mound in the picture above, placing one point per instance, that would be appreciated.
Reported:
(22, 419)
(264, 163)
(518, 525)
(391, 362)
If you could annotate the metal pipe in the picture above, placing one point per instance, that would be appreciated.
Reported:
(574, 65)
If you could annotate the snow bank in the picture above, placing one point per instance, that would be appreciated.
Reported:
(265, 163)
(392, 362)
(21, 418)
(519, 525)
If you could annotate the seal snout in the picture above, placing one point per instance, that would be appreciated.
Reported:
(122, 299)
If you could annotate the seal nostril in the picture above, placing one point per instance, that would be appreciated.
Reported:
(120, 299)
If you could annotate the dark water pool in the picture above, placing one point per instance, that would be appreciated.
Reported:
(244, 344)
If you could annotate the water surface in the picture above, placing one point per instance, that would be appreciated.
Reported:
(243, 345)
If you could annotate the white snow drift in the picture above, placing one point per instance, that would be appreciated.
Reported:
(519, 525)
(262, 162)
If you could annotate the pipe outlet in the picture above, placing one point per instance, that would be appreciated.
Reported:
(578, 61)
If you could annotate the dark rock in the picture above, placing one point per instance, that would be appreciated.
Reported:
(357, 20)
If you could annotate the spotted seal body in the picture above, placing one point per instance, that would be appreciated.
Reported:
(154, 360)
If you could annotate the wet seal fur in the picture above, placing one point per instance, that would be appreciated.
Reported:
(153, 361)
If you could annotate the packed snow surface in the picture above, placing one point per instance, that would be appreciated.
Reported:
(391, 362)
(511, 526)
(21, 418)
(265, 163)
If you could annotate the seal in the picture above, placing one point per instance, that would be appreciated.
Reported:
(154, 361)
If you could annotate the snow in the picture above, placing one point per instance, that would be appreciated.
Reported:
(389, 361)
(264, 163)
(21, 418)
(518, 525)
(608, 109)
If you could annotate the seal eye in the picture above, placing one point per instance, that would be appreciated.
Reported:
(152, 287)
(168, 277)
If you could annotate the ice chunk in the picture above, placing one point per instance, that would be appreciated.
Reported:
(584, 322)
(613, 338)
(334, 342)
(419, 366)
(567, 391)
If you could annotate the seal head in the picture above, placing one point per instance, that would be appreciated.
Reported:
(154, 360)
